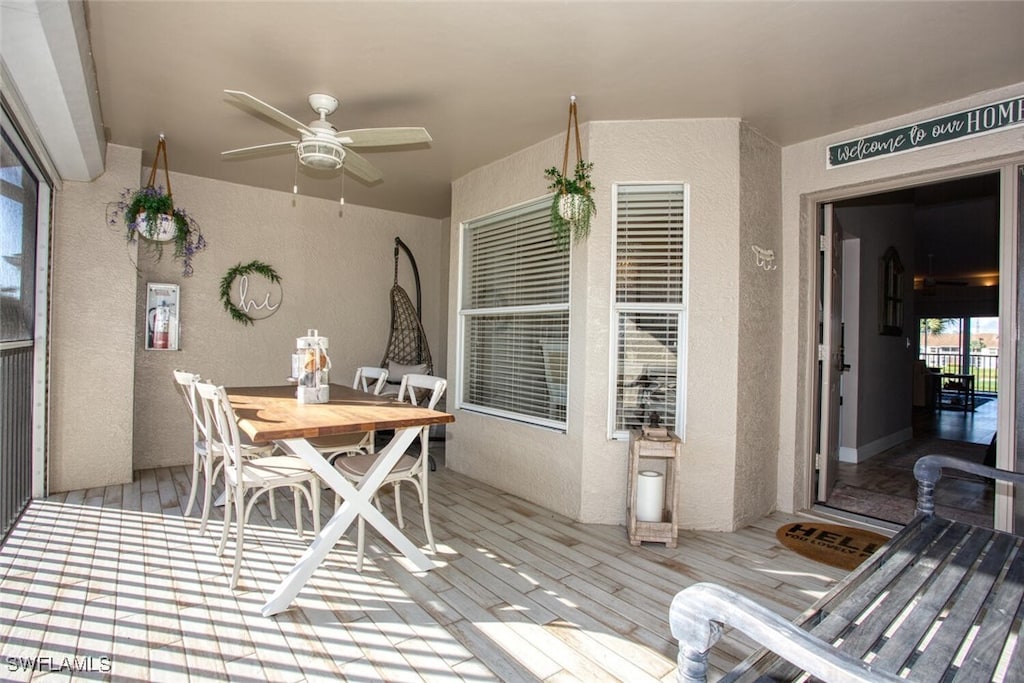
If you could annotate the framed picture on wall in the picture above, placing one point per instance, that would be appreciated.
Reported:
(890, 289)
(161, 317)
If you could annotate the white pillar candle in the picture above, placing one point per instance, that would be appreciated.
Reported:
(650, 496)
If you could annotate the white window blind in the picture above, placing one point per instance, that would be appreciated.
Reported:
(515, 317)
(650, 279)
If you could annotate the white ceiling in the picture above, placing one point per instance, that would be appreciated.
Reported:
(489, 78)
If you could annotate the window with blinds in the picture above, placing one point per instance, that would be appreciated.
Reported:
(514, 317)
(649, 306)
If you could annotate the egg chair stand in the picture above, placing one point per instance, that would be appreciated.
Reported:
(407, 342)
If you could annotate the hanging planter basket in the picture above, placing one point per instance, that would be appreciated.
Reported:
(572, 207)
(149, 215)
(161, 228)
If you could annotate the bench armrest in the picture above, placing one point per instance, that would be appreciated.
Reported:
(700, 612)
(928, 471)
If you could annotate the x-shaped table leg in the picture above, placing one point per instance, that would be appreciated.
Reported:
(357, 501)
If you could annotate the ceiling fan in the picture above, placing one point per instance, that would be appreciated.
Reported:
(930, 283)
(320, 145)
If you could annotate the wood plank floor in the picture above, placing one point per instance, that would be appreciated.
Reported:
(119, 575)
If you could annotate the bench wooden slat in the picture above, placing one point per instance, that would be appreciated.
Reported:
(1015, 670)
(896, 651)
(934, 662)
(943, 562)
(858, 588)
(942, 601)
(861, 639)
(1002, 607)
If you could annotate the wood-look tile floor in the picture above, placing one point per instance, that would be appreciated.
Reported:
(117, 581)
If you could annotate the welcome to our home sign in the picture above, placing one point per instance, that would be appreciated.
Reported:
(979, 121)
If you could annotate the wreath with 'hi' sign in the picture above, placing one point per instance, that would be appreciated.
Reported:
(226, 283)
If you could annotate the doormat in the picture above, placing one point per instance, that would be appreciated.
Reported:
(832, 544)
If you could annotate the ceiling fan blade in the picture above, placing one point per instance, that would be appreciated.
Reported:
(279, 146)
(361, 168)
(382, 137)
(267, 110)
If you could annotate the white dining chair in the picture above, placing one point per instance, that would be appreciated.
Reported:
(205, 460)
(256, 475)
(371, 380)
(418, 390)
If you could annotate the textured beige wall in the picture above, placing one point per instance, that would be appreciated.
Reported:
(538, 464)
(582, 473)
(92, 307)
(805, 180)
(759, 337)
(336, 265)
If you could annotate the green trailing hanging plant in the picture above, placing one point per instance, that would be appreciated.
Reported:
(149, 212)
(572, 207)
(226, 282)
(145, 210)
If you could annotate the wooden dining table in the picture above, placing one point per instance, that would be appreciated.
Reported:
(272, 414)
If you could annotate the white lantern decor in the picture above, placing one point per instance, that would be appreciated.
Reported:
(312, 375)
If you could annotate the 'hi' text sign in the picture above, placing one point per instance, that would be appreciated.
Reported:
(985, 119)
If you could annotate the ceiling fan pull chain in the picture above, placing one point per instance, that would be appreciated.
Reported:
(574, 123)
(161, 148)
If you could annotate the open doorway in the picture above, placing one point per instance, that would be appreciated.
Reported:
(919, 345)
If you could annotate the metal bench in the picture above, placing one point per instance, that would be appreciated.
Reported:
(942, 600)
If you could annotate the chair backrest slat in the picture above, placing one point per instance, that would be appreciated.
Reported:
(428, 383)
(367, 373)
(186, 382)
(220, 421)
(407, 392)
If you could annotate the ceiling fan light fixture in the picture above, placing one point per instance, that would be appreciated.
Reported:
(322, 155)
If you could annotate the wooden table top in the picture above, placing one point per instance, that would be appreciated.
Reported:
(270, 413)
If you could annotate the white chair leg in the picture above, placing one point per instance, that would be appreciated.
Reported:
(425, 501)
(242, 515)
(314, 486)
(227, 523)
(211, 473)
(398, 504)
(297, 495)
(196, 466)
(360, 542)
(273, 507)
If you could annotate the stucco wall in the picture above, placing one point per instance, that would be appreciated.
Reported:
(805, 179)
(337, 268)
(538, 464)
(336, 265)
(582, 473)
(92, 306)
(759, 339)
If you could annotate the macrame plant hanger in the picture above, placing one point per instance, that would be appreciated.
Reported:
(161, 149)
(573, 126)
(572, 205)
(407, 341)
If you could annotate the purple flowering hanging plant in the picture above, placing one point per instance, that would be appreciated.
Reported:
(148, 204)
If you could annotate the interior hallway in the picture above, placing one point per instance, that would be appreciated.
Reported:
(883, 487)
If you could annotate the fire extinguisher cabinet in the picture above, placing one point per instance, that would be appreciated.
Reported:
(651, 513)
(161, 323)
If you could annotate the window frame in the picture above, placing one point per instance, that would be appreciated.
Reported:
(464, 315)
(680, 309)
